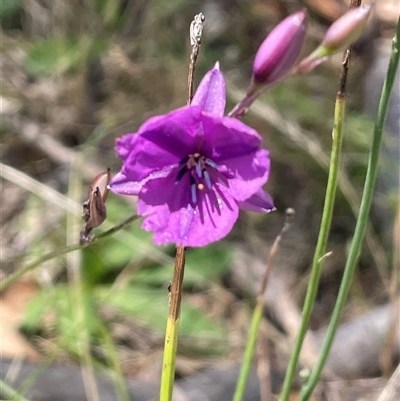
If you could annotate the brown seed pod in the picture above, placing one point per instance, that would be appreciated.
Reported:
(94, 209)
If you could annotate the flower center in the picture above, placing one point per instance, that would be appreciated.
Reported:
(201, 170)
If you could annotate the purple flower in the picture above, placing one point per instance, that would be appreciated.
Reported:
(192, 169)
(280, 49)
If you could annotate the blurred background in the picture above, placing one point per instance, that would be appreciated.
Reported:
(77, 74)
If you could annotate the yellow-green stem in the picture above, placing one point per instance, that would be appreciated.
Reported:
(77, 290)
(171, 333)
(258, 313)
(359, 233)
(176, 287)
(11, 394)
(321, 245)
(120, 384)
(168, 370)
(249, 352)
(13, 277)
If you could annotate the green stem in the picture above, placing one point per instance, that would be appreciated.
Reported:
(249, 352)
(362, 220)
(321, 245)
(40, 368)
(258, 313)
(120, 384)
(168, 369)
(176, 286)
(62, 251)
(9, 393)
(77, 291)
(171, 333)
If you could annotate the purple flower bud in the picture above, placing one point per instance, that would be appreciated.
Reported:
(347, 29)
(280, 49)
(342, 33)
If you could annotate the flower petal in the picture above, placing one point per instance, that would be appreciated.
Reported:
(192, 168)
(250, 173)
(166, 190)
(191, 226)
(120, 184)
(211, 93)
(280, 49)
(347, 29)
(227, 138)
(161, 142)
(125, 144)
(235, 147)
(260, 202)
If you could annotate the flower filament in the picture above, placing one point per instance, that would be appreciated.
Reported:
(198, 166)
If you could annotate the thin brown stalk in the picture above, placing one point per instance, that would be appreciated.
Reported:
(176, 286)
(264, 365)
(256, 320)
(289, 215)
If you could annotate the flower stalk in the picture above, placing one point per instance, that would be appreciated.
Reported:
(13, 277)
(176, 288)
(172, 330)
(8, 392)
(258, 314)
(274, 58)
(362, 220)
(344, 31)
(277, 54)
(326, 220)
(192, 170)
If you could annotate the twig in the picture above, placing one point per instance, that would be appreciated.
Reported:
(289, 215)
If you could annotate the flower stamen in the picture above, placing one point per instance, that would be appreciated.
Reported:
(193, 190)
(180, 174)
(199, 170)
(207, 179)
(210, 163)
(198, 167)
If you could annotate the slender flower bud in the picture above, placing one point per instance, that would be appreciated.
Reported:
(342, 33)
(347, 29)
(280, 49)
